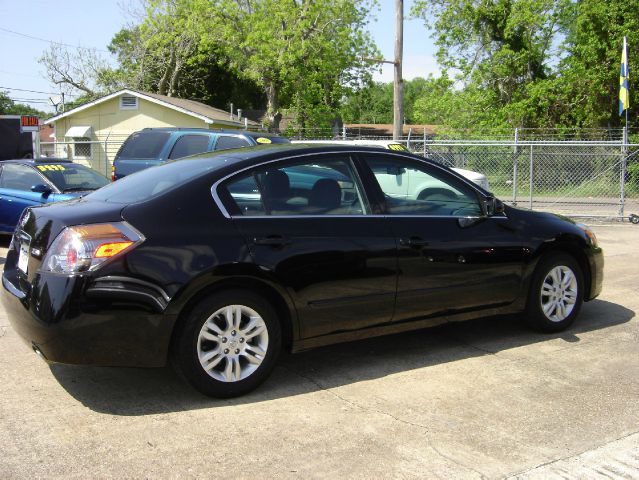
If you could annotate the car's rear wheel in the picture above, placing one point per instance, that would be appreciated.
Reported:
(556, 293)
(228, 344)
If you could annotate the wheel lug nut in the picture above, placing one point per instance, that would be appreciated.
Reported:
(242, 340)
(223, 339)
(237, 351)
(226, 350)
(233, 333)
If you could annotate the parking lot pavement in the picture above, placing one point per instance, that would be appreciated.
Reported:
(486, 398)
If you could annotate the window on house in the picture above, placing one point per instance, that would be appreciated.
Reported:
(128, 102)
(81, 150)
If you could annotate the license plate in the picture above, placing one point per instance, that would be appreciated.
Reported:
(23, 254)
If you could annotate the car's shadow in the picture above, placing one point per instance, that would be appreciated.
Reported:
(133, 391)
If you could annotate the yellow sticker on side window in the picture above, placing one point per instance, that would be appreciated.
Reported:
(263, 140)
(44, 168)
(397, 146)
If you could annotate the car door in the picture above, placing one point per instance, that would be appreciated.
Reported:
(451, 256)
(15, 193)
(308, 227)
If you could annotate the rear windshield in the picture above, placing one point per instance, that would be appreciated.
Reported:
(143, 145)
(70, 176)
(151, 182)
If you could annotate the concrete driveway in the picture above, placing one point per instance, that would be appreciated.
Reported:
(486, 398)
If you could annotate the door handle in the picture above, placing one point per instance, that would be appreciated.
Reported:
(413, 242)
(272, 240)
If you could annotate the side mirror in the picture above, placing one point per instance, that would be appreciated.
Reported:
(493, 206)
(45, 190)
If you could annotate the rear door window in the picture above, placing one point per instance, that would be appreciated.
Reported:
(189, 145)
(143, 145)
(226, 142)
(325, 186)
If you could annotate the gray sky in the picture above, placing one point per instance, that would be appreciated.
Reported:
(92, 23)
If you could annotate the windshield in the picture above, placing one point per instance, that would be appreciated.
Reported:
(68, 177)
(145, 145)
(151, 182)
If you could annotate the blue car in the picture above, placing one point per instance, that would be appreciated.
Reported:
(29, 182)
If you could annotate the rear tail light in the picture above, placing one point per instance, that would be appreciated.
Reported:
(85, 247)
(113, 173)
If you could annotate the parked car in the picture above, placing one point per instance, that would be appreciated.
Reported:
(223, 259)
(417, 186)
(26, 183)
(154, 146)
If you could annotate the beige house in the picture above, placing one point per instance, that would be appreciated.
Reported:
(92, 133)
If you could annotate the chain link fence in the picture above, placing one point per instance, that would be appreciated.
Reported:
(579, 173)
(97, 155)
(587, 173)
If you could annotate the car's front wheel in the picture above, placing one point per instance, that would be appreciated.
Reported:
(556, 293)
(228, 344)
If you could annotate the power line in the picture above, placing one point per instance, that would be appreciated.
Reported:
(30, 91)
(51, 41)
(37, 91)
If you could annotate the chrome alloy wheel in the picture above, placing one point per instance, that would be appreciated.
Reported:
(559, 293)
(232, 343)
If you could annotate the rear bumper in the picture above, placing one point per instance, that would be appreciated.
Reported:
(56, 317)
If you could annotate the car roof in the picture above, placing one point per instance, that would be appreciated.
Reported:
(239, 158)
(210, 130)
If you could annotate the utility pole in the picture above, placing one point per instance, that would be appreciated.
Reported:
(398, 91)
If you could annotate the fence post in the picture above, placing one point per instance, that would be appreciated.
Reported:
(515, 158)
(106, 156)
(424, 142)
(410, 131)
(622, 179)
(532, 163)
(343, 132)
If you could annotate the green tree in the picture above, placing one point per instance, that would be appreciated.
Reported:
(10, 107)
(590, 70)
(301, 53)
(501, 46)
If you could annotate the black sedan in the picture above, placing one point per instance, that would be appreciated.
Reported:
(220, 261)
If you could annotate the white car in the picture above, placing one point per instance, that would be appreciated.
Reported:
(411, 184)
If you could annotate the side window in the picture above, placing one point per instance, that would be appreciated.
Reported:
(224, 142)
(189, 145)
(411, 188)
(19, 177)
(322, 187)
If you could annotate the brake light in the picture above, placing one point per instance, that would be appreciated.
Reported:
(84, 248)
(113, 173)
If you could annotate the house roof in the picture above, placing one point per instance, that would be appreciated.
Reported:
(189, 107)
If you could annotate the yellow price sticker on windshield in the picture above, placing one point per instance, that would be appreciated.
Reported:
(263, 140)
(397, 146)
(51, 168)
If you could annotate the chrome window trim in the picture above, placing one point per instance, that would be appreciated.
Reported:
(237, 217)
(392, 153)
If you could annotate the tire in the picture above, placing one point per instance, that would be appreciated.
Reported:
(556, 293)
(222, 356)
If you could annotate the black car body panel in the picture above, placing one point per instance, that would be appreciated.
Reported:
(330, 278)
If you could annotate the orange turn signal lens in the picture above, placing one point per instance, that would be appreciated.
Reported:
(107, 250)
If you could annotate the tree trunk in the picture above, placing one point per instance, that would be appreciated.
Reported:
(164, 81)
(272, 105)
